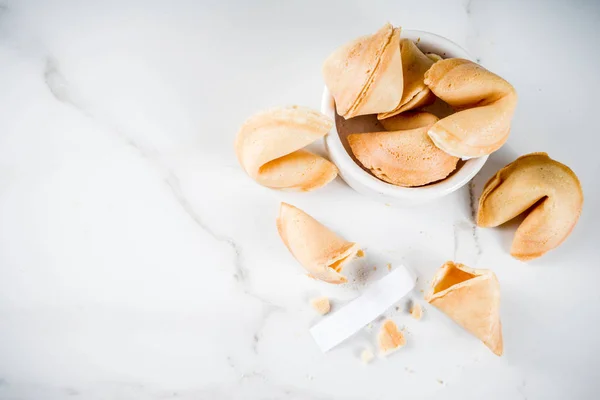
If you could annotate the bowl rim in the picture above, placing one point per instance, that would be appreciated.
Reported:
(349, 168)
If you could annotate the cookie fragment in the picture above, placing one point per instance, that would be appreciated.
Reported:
(321, 305)
(390, 338)
(416, 311)
(367, 356)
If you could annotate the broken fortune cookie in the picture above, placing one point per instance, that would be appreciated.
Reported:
(471, 297)
(485, 104)
(365, 75)
(535, 180)
(320, 251)
(269, 146)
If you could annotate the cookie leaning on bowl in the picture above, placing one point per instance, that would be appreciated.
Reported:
(269, 146)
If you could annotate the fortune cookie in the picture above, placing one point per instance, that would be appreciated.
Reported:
(485, 104)
(269, 148)
(320, 251)
(404, 156)
(534, 180)
(471, 297)
(365, 75)
(414, 65)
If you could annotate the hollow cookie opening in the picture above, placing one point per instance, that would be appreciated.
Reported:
(452, 276)
(337, 263)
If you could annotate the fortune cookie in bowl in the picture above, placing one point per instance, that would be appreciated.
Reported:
(485, 104)
(320, 251)
(269, 148)
(414, 65)
(365, 75)
(405, 155)
(534, 180)
(471, 297)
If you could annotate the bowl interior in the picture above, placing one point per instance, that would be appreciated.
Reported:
(352, 171)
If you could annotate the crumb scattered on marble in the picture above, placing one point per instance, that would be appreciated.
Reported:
(390, 338)
(441, 382)
(367, 356)
(360, 253)
(389, 267)
(374, 268)
(321, 305)
(421, 291)
(416, 311)
(388, 204)
(309, 377)
(369, 326)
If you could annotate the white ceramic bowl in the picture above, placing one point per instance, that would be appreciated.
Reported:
(365, 183)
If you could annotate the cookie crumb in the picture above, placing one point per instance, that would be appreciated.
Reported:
(441, 382)
(374, 268)
(389, 267)
(416, 311)
(321, 305)
(390, 338)
(367, 356)
(360, 253)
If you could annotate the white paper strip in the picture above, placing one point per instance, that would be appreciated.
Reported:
(382, 294)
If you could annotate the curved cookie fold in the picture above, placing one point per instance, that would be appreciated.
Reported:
(535, 180)
(405, 156)
(320, 251)
(269, 148)
(471, 297)
(365, 75)
(409, 120)
(485, 104)
(414, 65)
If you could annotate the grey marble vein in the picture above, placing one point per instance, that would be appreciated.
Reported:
(173, 183)
(467, 6)
(473, 32)
(63, 92)
(473, 208)
(466, 246)
(252, 385)
(267, 311)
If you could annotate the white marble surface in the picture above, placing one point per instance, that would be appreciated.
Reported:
(137, 261)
